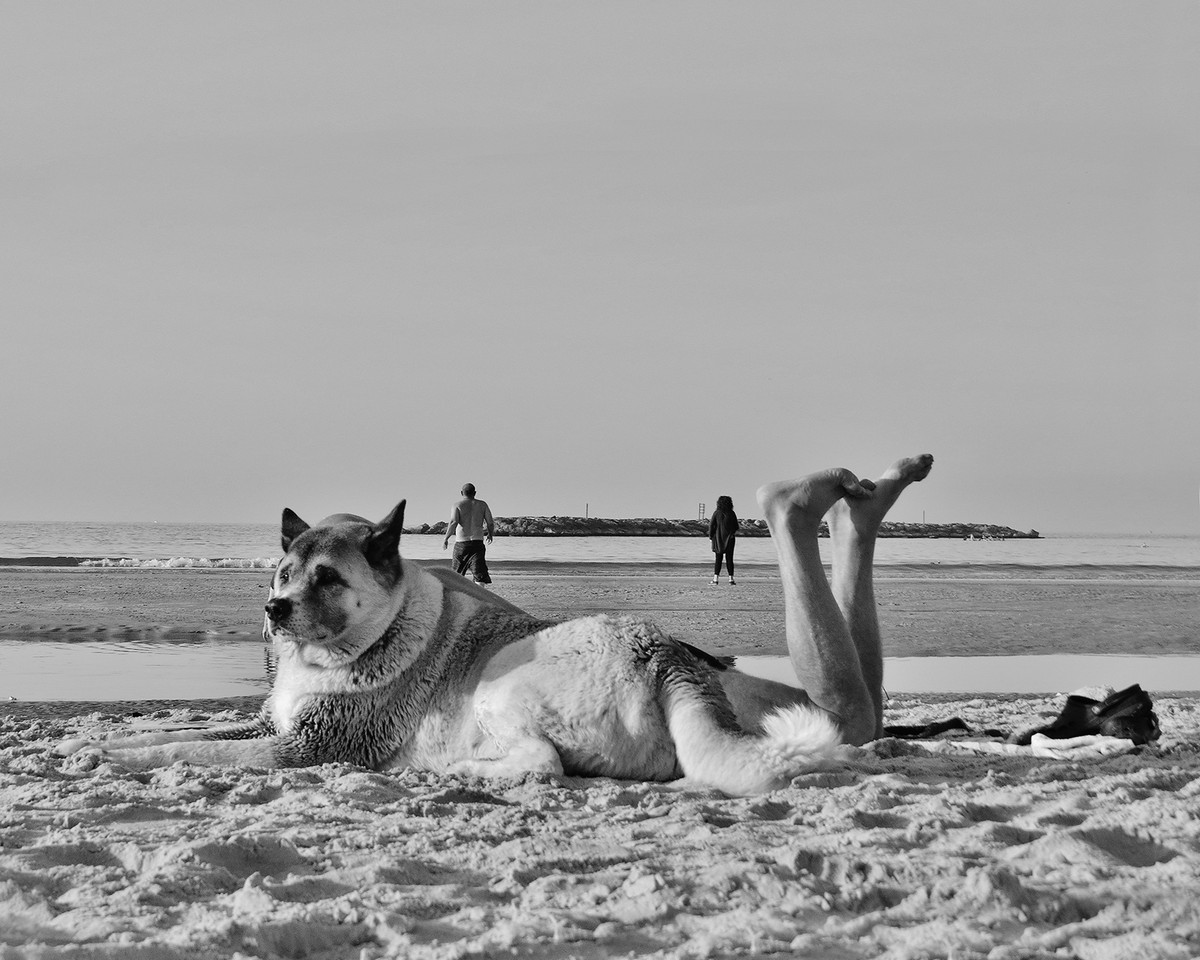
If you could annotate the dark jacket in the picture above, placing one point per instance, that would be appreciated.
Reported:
(722, 528)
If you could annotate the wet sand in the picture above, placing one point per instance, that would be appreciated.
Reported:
(924, 611)
(901, 852)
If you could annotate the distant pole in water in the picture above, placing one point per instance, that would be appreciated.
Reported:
(585, 510)
(700, 512)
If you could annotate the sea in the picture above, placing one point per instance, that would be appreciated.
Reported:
(148, 544)
(216, 667)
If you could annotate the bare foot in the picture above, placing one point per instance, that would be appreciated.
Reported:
(808, 499)
(867, 514)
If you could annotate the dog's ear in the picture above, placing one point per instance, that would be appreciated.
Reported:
(291, 528)
(383, 545)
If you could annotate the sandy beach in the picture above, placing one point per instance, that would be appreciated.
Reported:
(905, 851)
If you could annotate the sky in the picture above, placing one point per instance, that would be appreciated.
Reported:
(615, 258)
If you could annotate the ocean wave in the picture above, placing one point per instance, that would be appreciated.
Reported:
(254, 563)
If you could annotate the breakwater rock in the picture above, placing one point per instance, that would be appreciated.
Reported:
(659, 527)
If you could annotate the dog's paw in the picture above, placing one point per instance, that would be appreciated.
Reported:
(85, 758)
(87, 755)
(467, 768)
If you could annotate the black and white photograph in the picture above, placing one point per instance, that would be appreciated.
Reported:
(556, 480)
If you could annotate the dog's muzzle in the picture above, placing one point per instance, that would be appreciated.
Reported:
(278, 609)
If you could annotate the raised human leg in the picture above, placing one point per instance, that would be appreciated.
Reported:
(853, 528)
(820, 645)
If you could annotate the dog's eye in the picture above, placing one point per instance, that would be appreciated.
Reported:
(327, 577)
(283, 576)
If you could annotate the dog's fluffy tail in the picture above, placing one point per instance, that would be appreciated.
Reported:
(794, 740)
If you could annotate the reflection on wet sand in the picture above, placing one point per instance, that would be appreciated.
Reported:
(218, 668)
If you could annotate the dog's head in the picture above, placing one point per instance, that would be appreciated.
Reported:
(334, 591)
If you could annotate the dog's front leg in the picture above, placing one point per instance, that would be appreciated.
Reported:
(244, 743)
(119, 741)
(259, 752)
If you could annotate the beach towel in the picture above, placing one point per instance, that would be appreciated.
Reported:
(1090, 747)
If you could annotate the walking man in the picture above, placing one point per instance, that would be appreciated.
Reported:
(468, 522)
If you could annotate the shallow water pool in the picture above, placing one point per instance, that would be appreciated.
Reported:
(132, 670)
(1050, 673)
(215, 668)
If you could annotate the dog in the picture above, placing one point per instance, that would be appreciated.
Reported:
(387, 664)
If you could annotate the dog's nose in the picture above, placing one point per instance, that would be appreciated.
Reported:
(278, 609)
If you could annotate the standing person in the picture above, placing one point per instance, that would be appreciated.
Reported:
(468, 521)
(722, 531)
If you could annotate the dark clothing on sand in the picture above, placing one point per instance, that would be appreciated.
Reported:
(722, 528)
(469, 557)
(722, 531)
(727, 556)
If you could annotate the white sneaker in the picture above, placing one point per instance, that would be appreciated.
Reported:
(731, 582)
(716, 579)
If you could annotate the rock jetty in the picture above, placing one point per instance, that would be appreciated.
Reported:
(660, 527)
